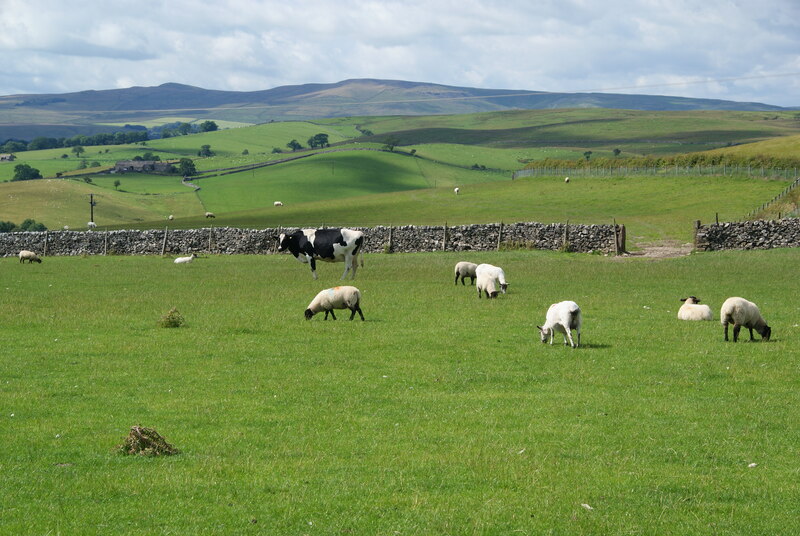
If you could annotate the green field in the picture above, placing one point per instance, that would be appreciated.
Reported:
(441, 414)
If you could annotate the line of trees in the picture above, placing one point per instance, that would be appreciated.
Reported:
(43, 142)
(27, 225)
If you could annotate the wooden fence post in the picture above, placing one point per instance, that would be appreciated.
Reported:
(500, 236)
(105, 243)
(210, 234)
(45, 244)
(444, 240)
(391, 239)
(164, 243)
(616, 238)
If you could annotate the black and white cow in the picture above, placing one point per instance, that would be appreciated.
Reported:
(329, 245)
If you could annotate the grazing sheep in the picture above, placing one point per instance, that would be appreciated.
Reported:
(183, 260)
(566, 180)
(495, 272)
(465, 269)
(210, 215)
(563, 317)
(29, 256)
(91, 225)
(170, 217)
(277, 204)
(486, 284)
(693, 310)
(327, 300)
(456, 190)
(743, 313)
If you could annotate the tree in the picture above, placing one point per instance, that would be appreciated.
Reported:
(32, 225)
(184, 129)
(318, 140)
(390, 143)
(24, 172)
(294, 145)
(587, 155)
(205, 150)
(245, 152)
(186, 167)
(208, 126)
(617, 151)
(7, 226)
(116, 184)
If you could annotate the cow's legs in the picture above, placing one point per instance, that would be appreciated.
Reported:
(313, 264)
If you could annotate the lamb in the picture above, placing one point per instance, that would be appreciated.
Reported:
(495, 272)
(563, 317)
(486, 284)
(566, 180)
(183, 260)
(743, 313)
(29, 256)
(277, 204)
(210, 215)
(456, 190)
(91, 225)
(327, 300)
(693, 310)
(465, 269)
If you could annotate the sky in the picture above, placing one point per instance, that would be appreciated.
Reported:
(742, 50)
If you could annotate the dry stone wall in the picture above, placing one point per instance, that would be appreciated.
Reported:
(759, 234)
(227, 240)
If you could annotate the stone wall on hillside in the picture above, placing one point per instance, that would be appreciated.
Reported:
(402, 239)
(758, 234)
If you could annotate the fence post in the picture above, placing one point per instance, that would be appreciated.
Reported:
(500, 236)
(164, 244)
(444, 239)
(616, 238)
(210, 234)
(105, 243)
(391, 239)
(45, 244)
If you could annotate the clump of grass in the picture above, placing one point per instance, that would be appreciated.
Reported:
(143, 441)
(173, 319)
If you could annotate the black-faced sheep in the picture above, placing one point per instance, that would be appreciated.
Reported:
(344, 297)
(210, 215)
(29, 256)
(692, 309)
(465, 269)
(743, 313)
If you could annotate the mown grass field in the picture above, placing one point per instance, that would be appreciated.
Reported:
(441, 414)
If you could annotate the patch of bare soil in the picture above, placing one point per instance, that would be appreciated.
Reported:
(661, 250)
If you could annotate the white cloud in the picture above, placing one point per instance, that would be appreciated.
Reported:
(735, 47)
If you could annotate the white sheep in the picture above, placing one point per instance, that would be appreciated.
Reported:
(277, 204)
(183, 260)
(170, 217)
(456, 190)
(566, 180)
(210, 215)
(29, 256)
(344, 297)
(692, 309)
(486, 283)
(465, 269)
(495, 272)
(91, 225)
(563, 317)
(741, 313)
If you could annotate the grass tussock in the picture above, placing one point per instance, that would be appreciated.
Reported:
(172, 319)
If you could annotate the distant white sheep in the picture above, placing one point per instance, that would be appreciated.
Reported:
(344, 297)
(743, 313)
(465, 269)
(692, 309)
(210, 215)
(456, 190)
(184, 260)
(563, 317)
(29, 256)
(170, 217)
(277, 204)
(566, 180)
(91, 225)
(495, 272)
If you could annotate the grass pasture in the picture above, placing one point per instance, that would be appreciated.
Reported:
(440, 414)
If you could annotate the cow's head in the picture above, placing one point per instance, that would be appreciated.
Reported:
(283, 241)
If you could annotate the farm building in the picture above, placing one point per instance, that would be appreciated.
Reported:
(6, 157)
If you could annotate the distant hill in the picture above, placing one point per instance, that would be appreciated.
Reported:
(89, 112)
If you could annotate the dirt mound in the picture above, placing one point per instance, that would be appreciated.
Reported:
(143, 441)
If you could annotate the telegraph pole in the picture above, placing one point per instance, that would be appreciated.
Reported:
(92, 203)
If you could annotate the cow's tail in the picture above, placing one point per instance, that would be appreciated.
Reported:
(359, 250)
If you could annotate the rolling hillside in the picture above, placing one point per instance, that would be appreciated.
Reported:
(89, 112)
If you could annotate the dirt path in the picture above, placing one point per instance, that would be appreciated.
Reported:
(661, 250)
